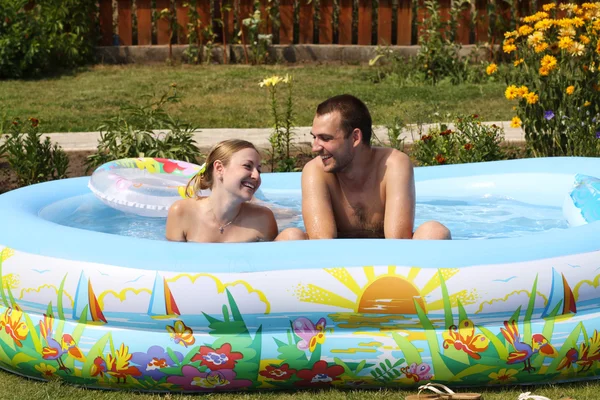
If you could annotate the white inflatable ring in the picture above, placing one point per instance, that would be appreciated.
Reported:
(143, 186)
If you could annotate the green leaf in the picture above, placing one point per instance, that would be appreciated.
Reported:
(448, 317)
(96, 351)
(472, 370)
(441, 371)
(21, 358)
(497, 343)
(409, 350)
(37, 344)
(570, 342)
(529, 313)
(59, 303)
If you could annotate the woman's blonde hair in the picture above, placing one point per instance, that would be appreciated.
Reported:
(222, 151)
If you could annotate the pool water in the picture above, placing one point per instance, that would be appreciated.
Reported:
(487, 217)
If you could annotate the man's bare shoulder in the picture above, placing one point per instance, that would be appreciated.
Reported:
(392, 158)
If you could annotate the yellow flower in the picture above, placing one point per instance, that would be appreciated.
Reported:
(511, 92)
(518, 62)
(506, 375)
(598, 47)
(515, 122)
(509, 48)
(272, 81)
(570, 90)
(522, 91)
(587, 104)
(525, 30)
(544, 71)
(511, 34)
(46, 370)
(287, 79)
(535, 38)
(584, 39)
(531, 98)
(549, 62)
(541, 47)
(548, 7)
(543, 25)
(492, 68)
(565, 42)
(576, 49)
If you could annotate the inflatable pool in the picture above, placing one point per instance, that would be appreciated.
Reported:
(111, 311)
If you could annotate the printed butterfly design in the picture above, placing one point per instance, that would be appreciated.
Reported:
(419, 372)
(311, 334)
(181, 334)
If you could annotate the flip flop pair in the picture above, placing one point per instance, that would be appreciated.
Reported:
(442, 392)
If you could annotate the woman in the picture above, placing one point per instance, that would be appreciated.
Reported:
(232, 172)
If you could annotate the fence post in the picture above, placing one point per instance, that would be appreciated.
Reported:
(384, 31)
(106, 20)
(364, 22)
(404, 23)
(144, 22)
(326, 22)
(345, 22)
(124, 22)
(182, 19)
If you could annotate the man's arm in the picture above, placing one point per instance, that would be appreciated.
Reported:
(399, 197)
(317, 210)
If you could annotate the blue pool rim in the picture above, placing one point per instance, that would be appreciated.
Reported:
(25, 231)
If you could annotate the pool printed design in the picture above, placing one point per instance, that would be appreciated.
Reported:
(361, 326)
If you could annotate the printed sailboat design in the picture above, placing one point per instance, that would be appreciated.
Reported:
(162, 303)
(85, 297)
(561, 292)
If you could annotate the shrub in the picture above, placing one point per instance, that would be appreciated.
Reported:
(132, 133)
(557, 89)
(439, 55)
(282, 138)
(45, 37)
(32, 159)
(394, 130)
(470, 141)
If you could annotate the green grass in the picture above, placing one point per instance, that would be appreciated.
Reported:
(18, 388)
(229, 96)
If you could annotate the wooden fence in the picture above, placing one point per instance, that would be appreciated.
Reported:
(362, 22)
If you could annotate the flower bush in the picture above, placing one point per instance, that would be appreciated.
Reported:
(557, 89)
(282, 138)
(470, 141)
(133, 133)
(32, 159)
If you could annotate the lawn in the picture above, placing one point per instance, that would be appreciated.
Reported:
(229, 96)
(17, 388)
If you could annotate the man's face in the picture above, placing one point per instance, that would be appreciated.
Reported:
(329, 142)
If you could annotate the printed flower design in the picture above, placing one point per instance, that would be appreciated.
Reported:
(193, 379)
(464, 338)
(46, 370)
(154, 360)
(320, 375)
(503, 376)
(221, 358)
(169, 166)
(13, 326)
(280, 373)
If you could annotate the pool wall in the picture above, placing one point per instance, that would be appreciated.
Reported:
(107, 311)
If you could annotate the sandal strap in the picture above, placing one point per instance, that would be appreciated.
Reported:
(434, 388)
(529, 396)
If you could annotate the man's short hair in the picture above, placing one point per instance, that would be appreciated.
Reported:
(354, 114)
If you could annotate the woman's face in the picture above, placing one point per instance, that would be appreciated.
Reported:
(242, 176)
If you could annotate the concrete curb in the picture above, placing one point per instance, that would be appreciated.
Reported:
(206, 138)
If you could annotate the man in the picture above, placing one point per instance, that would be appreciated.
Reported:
(353, 190)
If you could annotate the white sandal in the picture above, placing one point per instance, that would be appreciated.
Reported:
(529, 396)
(447, 394)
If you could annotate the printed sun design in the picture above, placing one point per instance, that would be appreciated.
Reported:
(384, 293)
